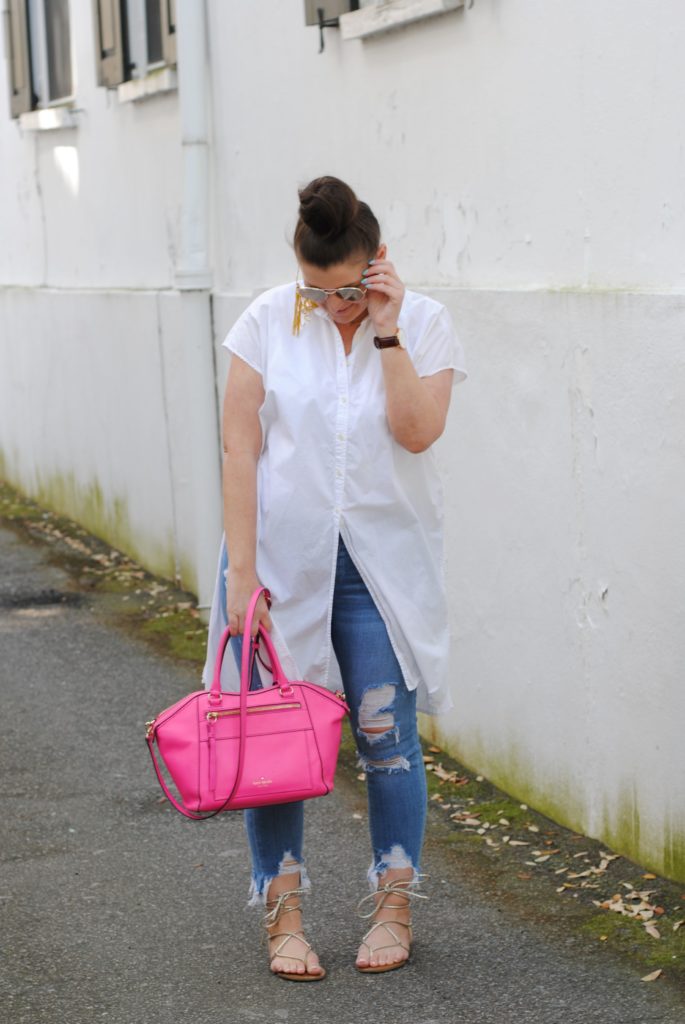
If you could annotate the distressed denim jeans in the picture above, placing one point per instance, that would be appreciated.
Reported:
(383, 719)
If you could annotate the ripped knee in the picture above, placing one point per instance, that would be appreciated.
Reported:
(396, 763)
(376, 725)
(376, 716)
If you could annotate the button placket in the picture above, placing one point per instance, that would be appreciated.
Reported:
(341, 427)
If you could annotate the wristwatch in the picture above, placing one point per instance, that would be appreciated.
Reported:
(393, 341)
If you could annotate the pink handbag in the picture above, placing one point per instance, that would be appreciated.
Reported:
(226, 751)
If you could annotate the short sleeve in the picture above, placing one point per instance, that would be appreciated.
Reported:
(244, 340)
(439, 348)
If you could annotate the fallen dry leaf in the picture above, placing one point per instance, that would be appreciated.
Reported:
(524, 876)
(677, 925)
(653, 976)
(651, 930)
(435, 750)
(464, 818)
(649, 875)
(518, 842)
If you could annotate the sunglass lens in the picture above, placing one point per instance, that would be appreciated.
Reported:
(313, 294)
(351, 294)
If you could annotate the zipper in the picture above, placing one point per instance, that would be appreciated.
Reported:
(213, 715)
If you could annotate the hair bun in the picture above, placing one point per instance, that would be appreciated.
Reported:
(328, 206)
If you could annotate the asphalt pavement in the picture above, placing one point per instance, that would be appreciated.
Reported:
(114, 908)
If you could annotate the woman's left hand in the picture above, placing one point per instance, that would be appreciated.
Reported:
(384, 296)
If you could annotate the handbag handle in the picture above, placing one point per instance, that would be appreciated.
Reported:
(250, 647)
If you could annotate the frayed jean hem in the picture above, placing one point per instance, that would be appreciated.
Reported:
(259, 886)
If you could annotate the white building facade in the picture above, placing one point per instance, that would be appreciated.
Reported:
(526, 162)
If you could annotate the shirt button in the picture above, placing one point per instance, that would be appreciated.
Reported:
(343, 400)
(341, 437)
(338, 472)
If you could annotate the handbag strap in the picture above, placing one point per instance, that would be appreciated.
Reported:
(250, 648)
(170, 796)
(247, 661)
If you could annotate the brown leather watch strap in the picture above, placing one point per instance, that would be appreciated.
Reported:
(391, 342)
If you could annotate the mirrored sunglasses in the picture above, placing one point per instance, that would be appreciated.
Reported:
(319, 295)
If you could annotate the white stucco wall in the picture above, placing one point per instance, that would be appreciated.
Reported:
(525, 160)
(514, 145)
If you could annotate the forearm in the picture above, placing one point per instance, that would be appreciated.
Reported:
(240, 511)
(414, 417)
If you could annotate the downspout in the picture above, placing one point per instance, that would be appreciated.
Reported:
(193, 279)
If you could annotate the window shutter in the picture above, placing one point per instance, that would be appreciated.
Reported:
(18, 57)
(109, 42)
(168, 9)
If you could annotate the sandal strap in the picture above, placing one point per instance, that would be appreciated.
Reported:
(387, 945)
(397, 888)
(286, 936)
(280, 908)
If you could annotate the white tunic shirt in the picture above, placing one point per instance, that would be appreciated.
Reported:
(329, 465)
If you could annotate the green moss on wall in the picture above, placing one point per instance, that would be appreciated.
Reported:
(563, 800)
(105, 518)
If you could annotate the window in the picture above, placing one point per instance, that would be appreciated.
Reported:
(133, 38)
(38, 34)
(378, 16)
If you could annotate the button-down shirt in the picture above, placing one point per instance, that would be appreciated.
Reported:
(329, 465)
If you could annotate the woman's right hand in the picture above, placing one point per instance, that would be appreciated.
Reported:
(239, 589)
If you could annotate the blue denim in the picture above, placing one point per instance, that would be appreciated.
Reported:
(383, 719)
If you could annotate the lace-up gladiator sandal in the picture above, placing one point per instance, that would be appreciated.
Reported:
(387, 929)
(293, 945)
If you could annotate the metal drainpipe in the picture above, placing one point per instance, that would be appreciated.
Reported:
(193, 279)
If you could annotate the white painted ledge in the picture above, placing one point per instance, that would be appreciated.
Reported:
(48, 120)
(153, 84)
(391, 14)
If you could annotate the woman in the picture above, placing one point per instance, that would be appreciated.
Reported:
(338, 386)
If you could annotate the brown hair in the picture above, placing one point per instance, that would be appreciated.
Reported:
(333, 225)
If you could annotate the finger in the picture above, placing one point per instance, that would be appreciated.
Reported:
(383, 265)
(234, 623)
(383, 279)
(389, 288)
(259, 616)
(381, 275)
(264, 617)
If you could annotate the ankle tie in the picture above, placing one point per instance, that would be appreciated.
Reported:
(272, 916)
(399, 887)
